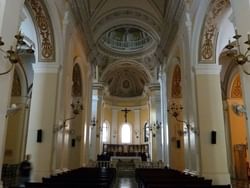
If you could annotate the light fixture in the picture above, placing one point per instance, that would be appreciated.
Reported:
(93, 122)
(239, 57)
(239, 109)
(77, 107)
(154, 127)
(13, 54)
(12, 109)
(175, 110)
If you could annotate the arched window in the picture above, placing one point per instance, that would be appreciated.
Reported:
(146, 132)
(105, 131)
(126, 134)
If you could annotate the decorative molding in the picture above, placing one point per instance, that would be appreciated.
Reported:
(128, 12)
(236, 91)
(98, 86)
(209, 34)
(176, 91)
(46, 68)
(44, 30)
(154, 87)
(207, 69)
(77, 81)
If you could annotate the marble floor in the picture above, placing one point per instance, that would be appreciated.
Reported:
(125, 182)
(129, 182)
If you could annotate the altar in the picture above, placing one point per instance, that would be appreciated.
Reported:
(125, 149)
(125, 158)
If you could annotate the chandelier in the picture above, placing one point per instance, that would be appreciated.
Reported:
(239, 57)
(13, 54)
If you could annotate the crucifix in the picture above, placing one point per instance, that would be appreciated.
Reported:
(125, 113)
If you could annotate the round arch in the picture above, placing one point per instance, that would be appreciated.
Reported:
(126, 133)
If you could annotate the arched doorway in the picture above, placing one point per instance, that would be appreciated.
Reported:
(237, 129)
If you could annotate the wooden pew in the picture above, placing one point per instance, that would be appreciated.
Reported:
(79, 178)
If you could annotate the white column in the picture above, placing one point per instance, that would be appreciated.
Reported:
(114, 127)
(42, 116)
(94, 130)
(241, 12)
(164, 126)
(155, 115)
(210, 118)
(9, 19)
(137, 129)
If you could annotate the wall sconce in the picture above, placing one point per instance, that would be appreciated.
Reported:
(13, 53)
(137, 134)
(77, 107)
(175, 110)
(12, 109)
(239, 109)
(154, 127)
(239, 57)
(63, 125)
(93, 122)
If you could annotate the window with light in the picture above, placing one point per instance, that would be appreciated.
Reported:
(126, 134)
(104, 132)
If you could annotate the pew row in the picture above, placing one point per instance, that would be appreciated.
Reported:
(78, 178)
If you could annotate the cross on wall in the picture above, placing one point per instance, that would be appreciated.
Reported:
(126, 111)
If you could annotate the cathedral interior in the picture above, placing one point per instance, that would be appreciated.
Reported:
(101, 83)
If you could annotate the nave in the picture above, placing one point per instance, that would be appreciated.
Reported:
(122, 176)
(158, 75)
(125, 174)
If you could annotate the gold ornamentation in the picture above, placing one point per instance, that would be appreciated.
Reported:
(43, 29)
(209, 31)
(207, 46)
(77, 82)
(176, 83)
(236, 91)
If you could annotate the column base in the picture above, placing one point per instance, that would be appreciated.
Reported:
(218, 178)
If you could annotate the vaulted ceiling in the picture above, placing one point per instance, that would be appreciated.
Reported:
(127, 39)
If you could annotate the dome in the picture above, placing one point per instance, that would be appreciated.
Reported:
(125, 39)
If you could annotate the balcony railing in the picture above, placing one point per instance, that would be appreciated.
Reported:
(126, 45)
